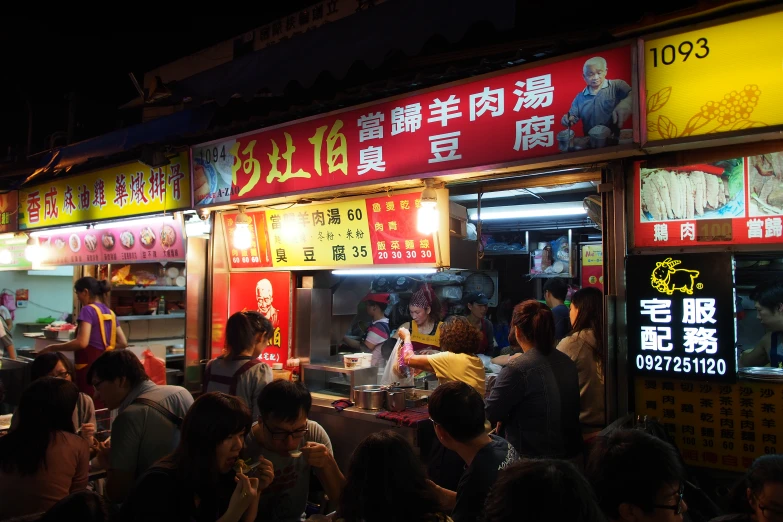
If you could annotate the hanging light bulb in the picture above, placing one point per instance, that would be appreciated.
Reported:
(242, 236)
(428, 217)
(32, 252)
(5, 257)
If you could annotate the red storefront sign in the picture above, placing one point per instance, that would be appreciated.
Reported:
(270, 294)
(393, 234)
(137, 242)
(505, 119)
(738, 201)
(257, 256)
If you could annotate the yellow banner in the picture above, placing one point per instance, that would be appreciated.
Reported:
(592, 255)
(125, 190)
(721, 426)
(720, 79)
(332, 234)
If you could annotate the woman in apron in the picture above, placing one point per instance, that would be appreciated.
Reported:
(97, 332)
(424, 308)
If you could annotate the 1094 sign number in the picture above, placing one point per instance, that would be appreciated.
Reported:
(668, 54)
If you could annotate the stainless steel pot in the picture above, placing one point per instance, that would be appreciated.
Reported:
(395, 399)
(369, 396)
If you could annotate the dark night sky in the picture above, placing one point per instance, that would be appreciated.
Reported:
(46, 58)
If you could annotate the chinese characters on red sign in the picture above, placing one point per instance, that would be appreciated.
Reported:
(736, 201)
(512, 117)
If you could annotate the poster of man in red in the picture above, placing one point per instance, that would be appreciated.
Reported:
(270, 294)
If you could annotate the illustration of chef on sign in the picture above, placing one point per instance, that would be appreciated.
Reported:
(264, 297)
(603, 107)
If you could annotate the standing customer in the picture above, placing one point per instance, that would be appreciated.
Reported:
(555, 293)
(536, 396)
(478, 304)
(42, 460)
(585, 347)
(239, 372)
(148, 420)
(97, 333)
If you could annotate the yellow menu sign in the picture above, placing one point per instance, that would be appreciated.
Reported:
(121, 191)
(724, 78)
(715, 425)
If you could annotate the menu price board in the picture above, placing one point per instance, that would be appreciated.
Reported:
(720, 426)
(681, 310)
(270, 294)
(737, 201)
(116, 192)
(344, 233)
(149, 240)
(507, 118)
(689, 92)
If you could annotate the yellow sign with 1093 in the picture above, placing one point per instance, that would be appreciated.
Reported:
(724, 78)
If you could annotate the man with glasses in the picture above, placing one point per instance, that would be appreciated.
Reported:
(637, 478)
(145, 429)
(295, 446)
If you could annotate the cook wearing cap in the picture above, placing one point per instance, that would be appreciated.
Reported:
(477, 304)
(379, 330)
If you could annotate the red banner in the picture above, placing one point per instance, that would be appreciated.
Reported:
(220, 283)
(395, 240)
(137, 242)
(504, 119)
(257, 256)
(270, 294)
(737, 201)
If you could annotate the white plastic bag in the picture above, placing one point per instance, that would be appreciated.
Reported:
(390, 376)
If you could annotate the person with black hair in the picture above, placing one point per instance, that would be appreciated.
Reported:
(769, 308)
(56, 364)
(758, 496)
(97, 332)
(378, 331)
(42, 460)
(238, 371)
(536, 395)
(555, 293)
(637, 477)
(585, 347)
(295, 446)
(457, 412)
(148, 418)
(541, 490)
(386, 483)
(199, 481)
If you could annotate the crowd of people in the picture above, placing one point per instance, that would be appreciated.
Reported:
(533, 447)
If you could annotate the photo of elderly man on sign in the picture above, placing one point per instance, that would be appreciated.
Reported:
(264, 299)
(603, 107)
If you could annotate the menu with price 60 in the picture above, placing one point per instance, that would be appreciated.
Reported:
(716, 79)
(681, 316)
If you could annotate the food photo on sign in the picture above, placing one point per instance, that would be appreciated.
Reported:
(765, 185)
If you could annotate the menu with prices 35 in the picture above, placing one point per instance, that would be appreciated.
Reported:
(737, 201)
(680, 312)
(270, 294)
(719, 426)
(579, 103)
(149, 240)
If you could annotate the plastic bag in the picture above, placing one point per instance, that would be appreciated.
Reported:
(155, 367)
(392, 371)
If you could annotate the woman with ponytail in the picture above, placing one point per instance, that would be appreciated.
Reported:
(238, 371)
(97, 332)
(536, 396)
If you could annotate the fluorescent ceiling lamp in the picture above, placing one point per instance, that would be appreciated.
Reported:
(50, 232)
(133, 222)
(572, 208)
(385, 271)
